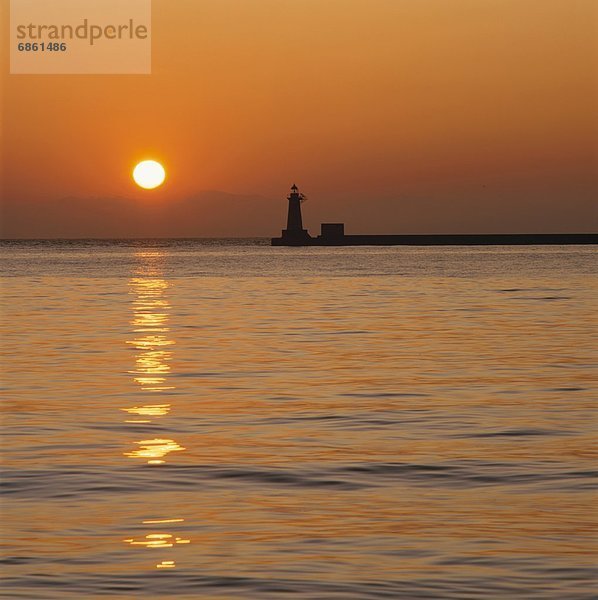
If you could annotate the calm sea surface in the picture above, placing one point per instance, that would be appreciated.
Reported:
(229, 420)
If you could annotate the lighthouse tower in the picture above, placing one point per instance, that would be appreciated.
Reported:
(294, 234)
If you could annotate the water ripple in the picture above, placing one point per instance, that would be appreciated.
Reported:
(75, 482)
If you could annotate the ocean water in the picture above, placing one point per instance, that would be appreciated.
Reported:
(223, 419)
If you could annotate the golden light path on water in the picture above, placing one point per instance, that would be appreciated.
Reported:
(153, 353)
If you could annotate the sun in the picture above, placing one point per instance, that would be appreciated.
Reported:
(149, 174)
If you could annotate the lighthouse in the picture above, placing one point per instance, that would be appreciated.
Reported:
(294, 234)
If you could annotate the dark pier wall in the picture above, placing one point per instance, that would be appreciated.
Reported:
(506, 239)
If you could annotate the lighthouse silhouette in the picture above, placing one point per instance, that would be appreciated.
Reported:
(294, 234)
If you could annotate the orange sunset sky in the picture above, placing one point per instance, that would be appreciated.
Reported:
(394, 116)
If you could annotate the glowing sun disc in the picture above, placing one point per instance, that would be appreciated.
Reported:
(149, 174)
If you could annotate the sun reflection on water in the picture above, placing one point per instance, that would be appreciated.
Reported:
(152, 343)
(160, 521)
(159, 540)
(149, 410)
(154, 450)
